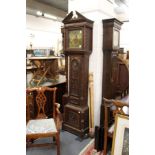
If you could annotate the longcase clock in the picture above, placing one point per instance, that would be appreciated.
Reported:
(77, 46)
(111, 42)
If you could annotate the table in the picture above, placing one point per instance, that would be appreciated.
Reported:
(47, 68)
(60, 80)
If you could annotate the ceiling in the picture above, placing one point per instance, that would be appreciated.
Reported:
(59, 4)
(60, 7)
(57, 8)
(63, 4)
(119, 2)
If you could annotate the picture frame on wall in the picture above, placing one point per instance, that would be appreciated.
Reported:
(120, 143)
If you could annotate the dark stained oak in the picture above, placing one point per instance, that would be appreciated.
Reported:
(77, 46)
(115, 80)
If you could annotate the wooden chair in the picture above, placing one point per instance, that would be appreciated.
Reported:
(43, 126)
(111, 108)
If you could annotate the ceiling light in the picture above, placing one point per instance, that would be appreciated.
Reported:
(50, 16)
(39, 13)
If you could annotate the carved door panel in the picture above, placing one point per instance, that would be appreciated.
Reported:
(77, 117)
(73, 117)
(75, 68)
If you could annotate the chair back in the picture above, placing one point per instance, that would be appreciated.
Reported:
(42, 95)
(111, 108)
(117, 106)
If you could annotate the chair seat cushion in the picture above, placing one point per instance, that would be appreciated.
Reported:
(41, 126)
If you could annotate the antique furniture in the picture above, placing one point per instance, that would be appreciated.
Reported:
(120, 77)
(111, 108)
(115, 70)
(77, 46)
(43, 125)
(47, 68)
(111, 37)
(60, 83)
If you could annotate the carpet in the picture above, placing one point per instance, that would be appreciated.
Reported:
(70, 144)
(89, 149)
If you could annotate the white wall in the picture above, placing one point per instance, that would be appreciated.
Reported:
(90, 6)
(125, 36)
(43, 33)
(81, 5)
(96, 60)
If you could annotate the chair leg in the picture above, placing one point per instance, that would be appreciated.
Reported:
(105, 144)
(105, 149)
(58, 143)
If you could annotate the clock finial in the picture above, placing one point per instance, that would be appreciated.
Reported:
(75, 16)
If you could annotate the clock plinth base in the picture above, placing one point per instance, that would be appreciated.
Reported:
(76, 120)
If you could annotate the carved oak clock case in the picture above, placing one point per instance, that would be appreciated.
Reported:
(111, 41)
(77, 46)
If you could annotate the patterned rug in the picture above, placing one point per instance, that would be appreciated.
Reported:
(89, 149)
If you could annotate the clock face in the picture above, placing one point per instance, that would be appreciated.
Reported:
(115, 38)
(75, 39)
